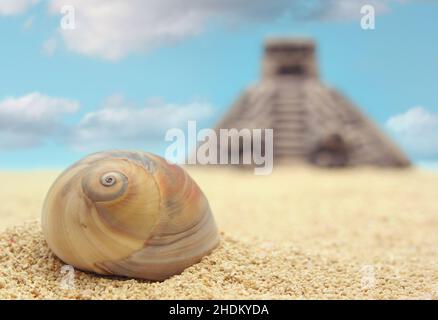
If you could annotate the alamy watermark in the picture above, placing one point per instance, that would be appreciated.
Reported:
(368, 277)
(68, 279)
(368, 20)
(222, 147)
(68, 20)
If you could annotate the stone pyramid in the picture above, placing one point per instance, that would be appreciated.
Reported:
(311, 121)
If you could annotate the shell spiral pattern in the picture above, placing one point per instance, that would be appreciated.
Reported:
(129, 214)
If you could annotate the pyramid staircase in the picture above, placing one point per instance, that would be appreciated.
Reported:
(288, 119)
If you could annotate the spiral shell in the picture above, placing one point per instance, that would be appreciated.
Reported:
(130, 214)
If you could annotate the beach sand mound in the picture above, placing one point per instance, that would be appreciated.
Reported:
(238, 269)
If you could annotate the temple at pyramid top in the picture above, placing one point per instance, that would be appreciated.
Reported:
(286, 57)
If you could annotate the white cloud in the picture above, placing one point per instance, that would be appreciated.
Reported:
(33, 119)
(12, 7)
(114, 29)
(417, 131)
(28, 120)
(119, 124)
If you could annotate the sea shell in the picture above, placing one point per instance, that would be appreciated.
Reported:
(130, 214)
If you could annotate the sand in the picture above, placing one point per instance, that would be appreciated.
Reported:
(300, 233)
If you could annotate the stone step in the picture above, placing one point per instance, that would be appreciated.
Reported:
(290, 101)
(289, 145)
(288, 125)
(292, 106)
(290, 128)
(295, 107)
(290, 139)
(291, 111)
(288, 118)
(289, 152)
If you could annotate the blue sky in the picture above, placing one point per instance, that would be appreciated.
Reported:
(133, 68)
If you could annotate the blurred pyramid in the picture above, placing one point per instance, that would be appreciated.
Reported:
(312, 122)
